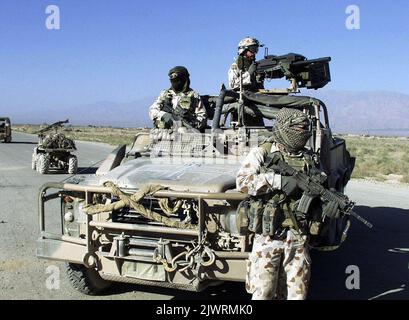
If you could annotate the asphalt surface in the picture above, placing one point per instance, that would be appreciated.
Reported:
(381, 254)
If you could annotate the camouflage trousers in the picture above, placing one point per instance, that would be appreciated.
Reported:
(278, 269)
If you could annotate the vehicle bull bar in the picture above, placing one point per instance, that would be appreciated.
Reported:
(91, 224)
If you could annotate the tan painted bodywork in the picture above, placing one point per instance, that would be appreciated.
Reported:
(212, 186)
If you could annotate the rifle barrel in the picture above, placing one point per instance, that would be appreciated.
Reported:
(358, 217)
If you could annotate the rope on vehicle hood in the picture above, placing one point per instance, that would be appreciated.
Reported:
(133, 201)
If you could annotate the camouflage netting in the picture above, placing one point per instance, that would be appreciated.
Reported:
(58, 141)
(165, 142)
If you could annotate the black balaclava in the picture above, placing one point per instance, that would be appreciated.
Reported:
(179, 79)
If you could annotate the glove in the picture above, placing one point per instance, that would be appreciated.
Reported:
(167, 119)
(289, 185)
(252, 68)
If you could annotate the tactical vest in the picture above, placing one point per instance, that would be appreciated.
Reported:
(187, 102)
(271, 214)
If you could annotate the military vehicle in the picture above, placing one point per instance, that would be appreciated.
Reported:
(54, 151)
(166, 212)
(5, 130)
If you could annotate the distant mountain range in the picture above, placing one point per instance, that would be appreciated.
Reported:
(103, 113)
(349, 111)
(354, 111)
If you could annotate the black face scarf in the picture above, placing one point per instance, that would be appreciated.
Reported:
(292, 129)
(180, 83)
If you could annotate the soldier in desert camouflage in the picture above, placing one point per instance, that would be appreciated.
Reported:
(279, 264)
(244, 68)
(178, 103)
(242, 76)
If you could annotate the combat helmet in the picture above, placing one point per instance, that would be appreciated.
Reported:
(248, 43)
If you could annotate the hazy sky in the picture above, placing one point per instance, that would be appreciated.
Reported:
(121, 51)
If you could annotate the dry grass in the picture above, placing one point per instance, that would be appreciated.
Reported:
(109, 135)
(380, 158)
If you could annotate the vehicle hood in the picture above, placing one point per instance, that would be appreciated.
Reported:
(193, 175)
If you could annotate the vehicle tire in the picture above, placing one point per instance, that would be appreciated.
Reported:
(34, 162)
(86, 280)
(72, 165)
(43, 163)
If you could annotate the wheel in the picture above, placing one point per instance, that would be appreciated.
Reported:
(43, 163)
(86, 280)
(72, 165)
(34, 161)
(8, 139)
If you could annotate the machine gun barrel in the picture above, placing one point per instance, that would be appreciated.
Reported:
(53, 125)
(308, 62)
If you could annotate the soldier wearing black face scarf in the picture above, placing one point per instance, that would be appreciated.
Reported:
(179, 102)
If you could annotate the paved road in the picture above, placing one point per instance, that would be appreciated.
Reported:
(381, 254)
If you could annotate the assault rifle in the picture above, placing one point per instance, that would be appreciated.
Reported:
(312, 188)
(178, 114)
(312, 74)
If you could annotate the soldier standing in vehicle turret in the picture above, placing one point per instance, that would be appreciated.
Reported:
(243, 77)
(244, 68)
(279, 264)
(178, 103)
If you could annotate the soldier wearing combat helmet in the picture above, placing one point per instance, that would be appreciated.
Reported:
(242, 76)
(244, 68)
(279, 264)
(178, 103)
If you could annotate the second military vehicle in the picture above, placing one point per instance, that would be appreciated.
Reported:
(54, 151)
(167, 212)
(5, 129)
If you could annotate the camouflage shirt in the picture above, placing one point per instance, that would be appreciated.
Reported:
(234, 77)
(254, 82)
(249, 178)
(189, 101)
